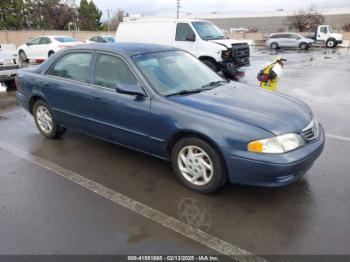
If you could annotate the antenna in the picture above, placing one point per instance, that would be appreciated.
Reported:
(178, 6)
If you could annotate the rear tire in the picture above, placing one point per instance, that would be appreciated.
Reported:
(198, 165)
(45, 121)
(274, 45)
(22, 56)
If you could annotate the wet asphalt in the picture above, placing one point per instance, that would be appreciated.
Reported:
(41, 213)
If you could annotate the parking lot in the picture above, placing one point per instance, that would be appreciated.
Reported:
(81, 195)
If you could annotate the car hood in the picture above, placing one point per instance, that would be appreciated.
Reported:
(276, 113)
(337, 36)
(226, 42)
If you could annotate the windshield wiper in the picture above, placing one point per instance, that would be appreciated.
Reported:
(193, 91)
(216, 83)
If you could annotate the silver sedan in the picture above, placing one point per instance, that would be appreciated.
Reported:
(288, 40)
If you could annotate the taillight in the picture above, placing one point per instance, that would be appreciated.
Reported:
(17, 83)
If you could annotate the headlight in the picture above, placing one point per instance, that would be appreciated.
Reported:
(277, 144)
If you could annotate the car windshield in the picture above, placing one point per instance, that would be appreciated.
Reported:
(177, 72)
(208, 31)
(64, 39)
(110, 39)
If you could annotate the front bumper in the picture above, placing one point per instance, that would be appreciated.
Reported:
(273, 170)
(231, 68)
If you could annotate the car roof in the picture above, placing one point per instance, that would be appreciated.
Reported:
(126, 49)
(285, 33)
(184, 20)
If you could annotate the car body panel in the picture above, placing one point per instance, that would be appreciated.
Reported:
(228, 117)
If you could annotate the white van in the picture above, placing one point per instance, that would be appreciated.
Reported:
(198, 37)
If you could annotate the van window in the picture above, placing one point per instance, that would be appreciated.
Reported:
(182, 31)
(111, 71)
(74, 66)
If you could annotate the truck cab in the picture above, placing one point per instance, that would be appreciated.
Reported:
(325, 35)
(199, 37)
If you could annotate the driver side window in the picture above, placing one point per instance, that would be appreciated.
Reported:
(111, 71)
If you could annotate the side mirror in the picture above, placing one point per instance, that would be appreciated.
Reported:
(28, 44)
(130, 89)
(191, 36)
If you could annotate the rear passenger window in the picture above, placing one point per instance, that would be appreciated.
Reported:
(111, 71)
(182, 31)
(74, 66)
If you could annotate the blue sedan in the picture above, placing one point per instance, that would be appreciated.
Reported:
(166, 103)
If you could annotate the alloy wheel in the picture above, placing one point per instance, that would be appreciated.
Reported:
(44, 119)
(195, 165)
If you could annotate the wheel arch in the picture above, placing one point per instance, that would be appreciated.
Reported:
(208, 58)
(32, 101)
(189, 133)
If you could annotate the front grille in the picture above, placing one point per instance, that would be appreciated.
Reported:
(310, 132)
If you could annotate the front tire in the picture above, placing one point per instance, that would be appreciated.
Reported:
(198, 165)
(210, 64)
(22, 56)
(331, 43)
(45, 121)
(304, 46)
(274, 45)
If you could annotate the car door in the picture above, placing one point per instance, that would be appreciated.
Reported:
(67, 89)
(45, 48)
(293, 40)
(33, 48)
(122, 118)
(185, 38)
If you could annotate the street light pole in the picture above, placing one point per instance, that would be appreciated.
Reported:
(178, 5)
(108, 19)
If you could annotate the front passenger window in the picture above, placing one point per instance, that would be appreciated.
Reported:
(111, 71)
(183, 30)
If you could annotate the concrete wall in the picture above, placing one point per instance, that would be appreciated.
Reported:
(22, 36)
(274, 23)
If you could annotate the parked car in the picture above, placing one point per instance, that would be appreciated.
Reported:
(201, 38)
(324, 35)
(8, 68)
(163, 101)
(288, 40)
(101, 39)
(42, 47)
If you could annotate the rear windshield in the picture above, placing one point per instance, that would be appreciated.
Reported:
(110, 39)
(63, 39)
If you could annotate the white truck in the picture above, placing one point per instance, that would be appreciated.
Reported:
(198, 37)
(324, 35)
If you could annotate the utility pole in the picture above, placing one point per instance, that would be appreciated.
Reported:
(178, 5)
(108, 19)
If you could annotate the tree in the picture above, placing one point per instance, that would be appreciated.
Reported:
(89, 16)
(116, 20)
(306, 19)
(10, 14)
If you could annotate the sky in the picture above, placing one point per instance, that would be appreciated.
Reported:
(160, 7)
